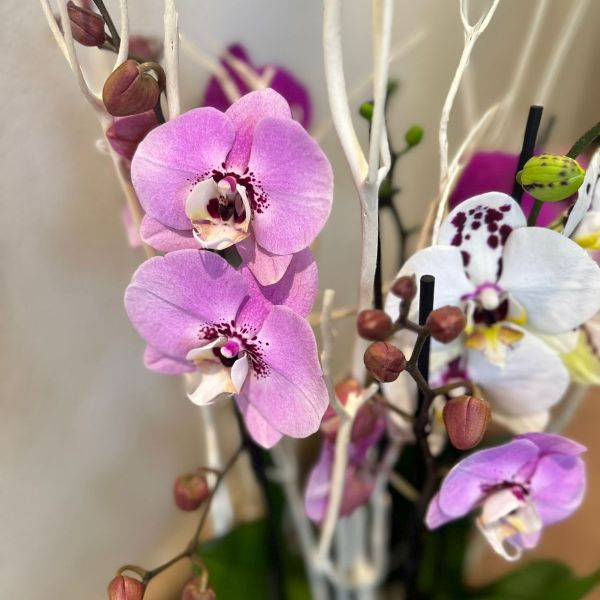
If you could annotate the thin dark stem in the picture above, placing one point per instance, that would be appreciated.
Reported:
(116, 39)
(381, 400)
(377, 281)
(584, 141)
(527, 149)
(160, 117)
(276, 571)
(193, 544)
(444, 389)
(533, 215)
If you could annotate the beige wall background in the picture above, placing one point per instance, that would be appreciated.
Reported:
(90, 440)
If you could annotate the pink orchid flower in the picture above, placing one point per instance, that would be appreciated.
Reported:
(533, 481)
(237, 65)
(251, 176)
(200, 315)
(359, 479)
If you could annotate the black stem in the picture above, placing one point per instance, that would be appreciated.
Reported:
(116, 39)
(534, 119)
(378, 281)
(276, 577)
(425, 468)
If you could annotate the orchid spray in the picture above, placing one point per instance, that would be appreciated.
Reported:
(477, 338)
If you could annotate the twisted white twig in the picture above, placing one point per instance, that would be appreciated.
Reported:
(171, 49)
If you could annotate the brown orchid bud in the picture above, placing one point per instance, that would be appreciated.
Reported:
(405, 288)
(87, 26)
(145, 48)
(374, 325)
(445, 324)
(125, 588)
(130, 89)
(190, 491)
(466, 419)
(384, 361)
(195, 590)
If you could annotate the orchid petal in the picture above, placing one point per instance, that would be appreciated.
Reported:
(168, 365)
(524, 424)
(533, 379)
(173, 157)
(268, 268)
(552, 277)
(214, 382)
(258, 427)
(479, 228)
(165, 239)
(291, 394)
(294, 186)
(589, 195)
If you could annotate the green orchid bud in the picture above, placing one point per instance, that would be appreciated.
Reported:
(414, 135)
(550, 177)
(366, 110)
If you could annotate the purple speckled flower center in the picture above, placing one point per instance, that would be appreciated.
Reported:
(240, 342)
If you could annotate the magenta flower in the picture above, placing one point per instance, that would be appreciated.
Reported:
(237, 63)
(251, 176)
(535, 480)
(495, 172)
(359, 481)
(200, 315)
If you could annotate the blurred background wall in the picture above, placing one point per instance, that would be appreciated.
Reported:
(90, 440)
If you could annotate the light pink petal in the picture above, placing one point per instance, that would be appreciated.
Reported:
(266, 267)
(174, 157)
(435, 517)
(558, 486)
(133, 235)
(171, 297)
(550, 443)
(479, 228)
(466, 484)
(290, 393)
(295, 186)
(168, 365)
(246, 114)
(297, 289)
(258, 427)
(166, 239)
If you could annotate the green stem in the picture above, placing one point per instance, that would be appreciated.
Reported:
(109, 23)
(535, 211)
(584, 141)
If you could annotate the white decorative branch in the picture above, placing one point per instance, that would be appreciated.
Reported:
(123, 34)
(171, 49)
(327, 352)
(55, 29)
(472, 34)
(560, 51)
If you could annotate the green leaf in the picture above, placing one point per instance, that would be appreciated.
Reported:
(543, 580)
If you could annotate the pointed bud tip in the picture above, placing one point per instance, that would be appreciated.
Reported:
(125, 588)
(374, 325)
(87, 26)
(466, 419)
(384, 361)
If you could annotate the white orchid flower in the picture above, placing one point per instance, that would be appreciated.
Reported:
(512, 281)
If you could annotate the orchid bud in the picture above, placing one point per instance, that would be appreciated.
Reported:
(87, 26)
(125, 133)
(130, 89)
(195, 590)
(384, 361)
(145, 48)
(551, 178)
(445, 324)
(414, 135)
(405, 288)
(366, 110)
(466, 419)
(125, 588)
(331, 420)
(374, 325)
(190, 491)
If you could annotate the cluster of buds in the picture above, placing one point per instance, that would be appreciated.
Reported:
(125, 588)
(132, 89)
(190, 491)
